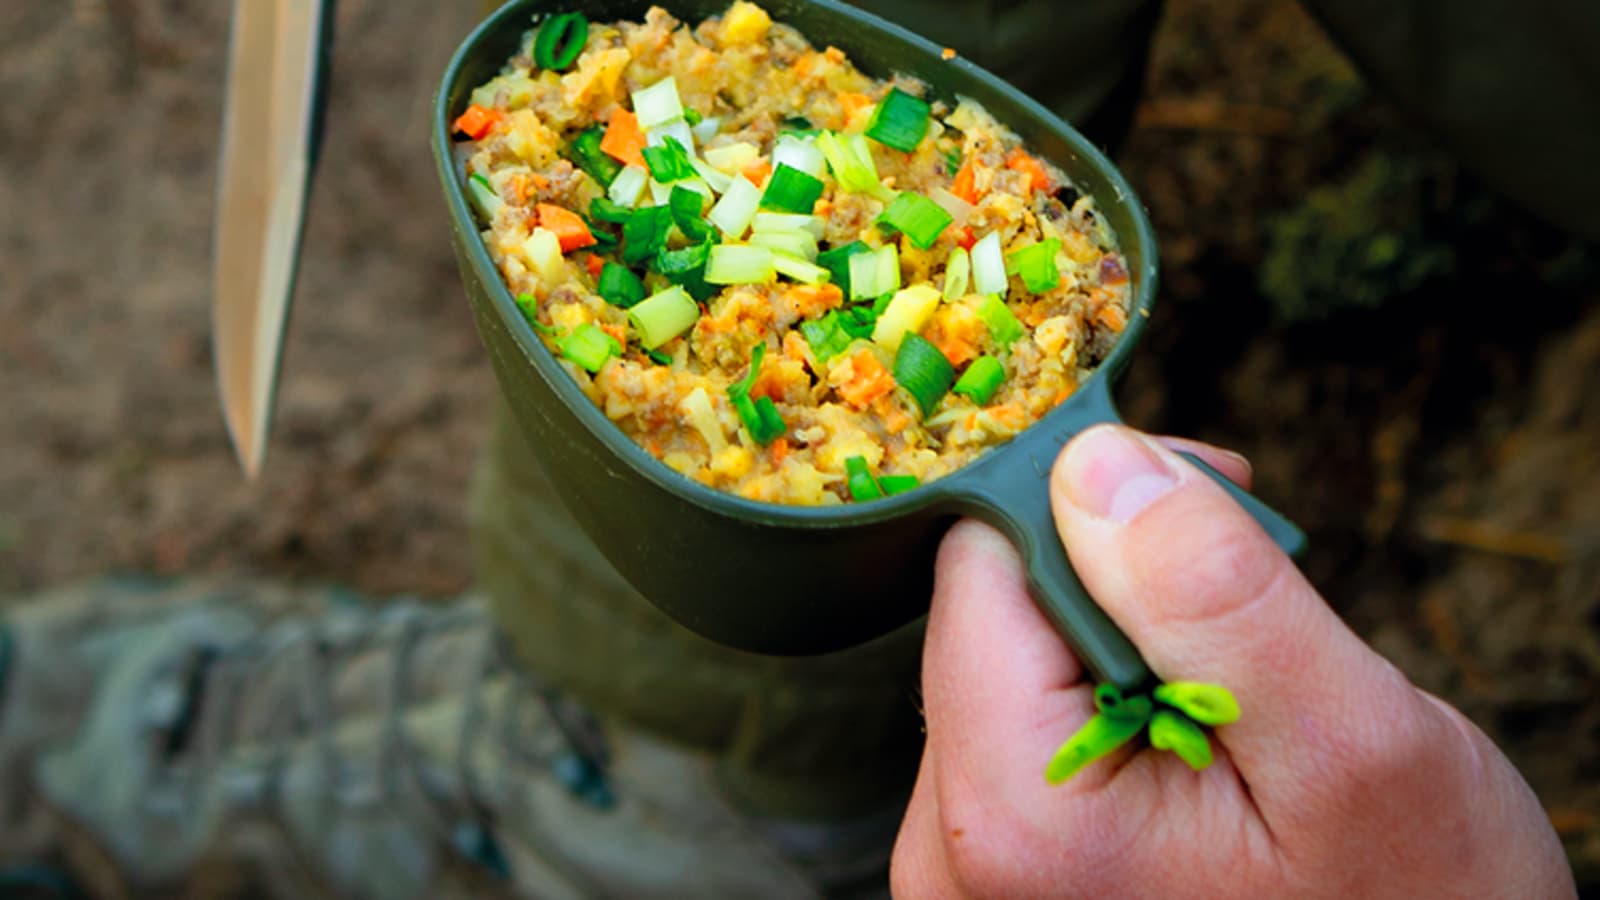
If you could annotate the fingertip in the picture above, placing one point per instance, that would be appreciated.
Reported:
(1235, 467)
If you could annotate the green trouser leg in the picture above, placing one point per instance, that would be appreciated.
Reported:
(824, 737)
(1512, 90)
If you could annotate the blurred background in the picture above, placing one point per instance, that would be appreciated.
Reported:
(1410, 362)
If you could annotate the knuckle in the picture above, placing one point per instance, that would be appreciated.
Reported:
(1214, 574)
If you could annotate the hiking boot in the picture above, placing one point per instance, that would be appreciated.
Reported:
(228, 738)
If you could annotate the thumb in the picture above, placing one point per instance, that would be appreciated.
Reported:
(1206, 596)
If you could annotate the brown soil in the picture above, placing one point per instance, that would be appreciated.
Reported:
(1441, 450)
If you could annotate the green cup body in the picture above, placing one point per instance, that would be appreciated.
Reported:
(762, 577)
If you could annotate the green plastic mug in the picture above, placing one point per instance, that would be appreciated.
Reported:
(790, 579)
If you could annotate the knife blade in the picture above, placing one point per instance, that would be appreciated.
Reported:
(277, 73)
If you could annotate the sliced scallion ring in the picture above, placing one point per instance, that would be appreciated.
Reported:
(923, 371)
(560, 40)
(981, 379)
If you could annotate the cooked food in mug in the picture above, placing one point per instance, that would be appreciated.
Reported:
(779, 276)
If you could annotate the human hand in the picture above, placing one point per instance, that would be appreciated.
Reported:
(1341, 779)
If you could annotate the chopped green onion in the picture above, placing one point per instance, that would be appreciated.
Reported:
(483, 196)
(1036, 264)
(619, 286)
(603, 210)
(1003, 324)
(897, 484)
(686, 205)
(528, 305)
(957, 274)
(876, 274)
(628, 186)
(798, 154)
(676, 130)
(799, 269)
(989, 266)
(742, 386)
(1099, 736)
(705, 129)
(798, 244)
(657, 104)
(791, 190)
(732, 158)
(861, 483)
(691, 116)
(771, 221)
(826, 337)
(590, 158)
(923, 371)
(981, 379)
(669, 162)
(799, 126)
(760, 417)
(604, 241)
(1208, 704)
(900, 121)
(687, 267)
(858, 321)
(560, 40)
(738, 264)
(589, 347)
(719, 181)
(661, 358)
(1173, 731)
(905, 313)
(851, 161)
(837, 261)
(733, 212)
(645, 233)
(917, 217)
(952, 159)
(663, 316)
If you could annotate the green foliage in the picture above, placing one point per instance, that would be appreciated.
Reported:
(1357, 242)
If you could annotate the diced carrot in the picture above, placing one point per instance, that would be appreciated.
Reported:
(477, 122)
(1062, 395)
(1038, 178)
(812, 300)
(758, 172)
(1008, 414)
(965, 184)
(569, 227)
(539, 181)
(779, 449)
(869, 380)
(965, 238)
(893, 415)
(852, 102)
(947, 53)
(955, 348)
(616, 331)
(623, 140)
(595, 265)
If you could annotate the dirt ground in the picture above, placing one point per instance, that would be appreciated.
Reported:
(1438, 440)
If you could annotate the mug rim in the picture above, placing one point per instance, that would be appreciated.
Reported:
(730, 505)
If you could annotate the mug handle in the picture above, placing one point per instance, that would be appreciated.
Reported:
(1016, 500)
